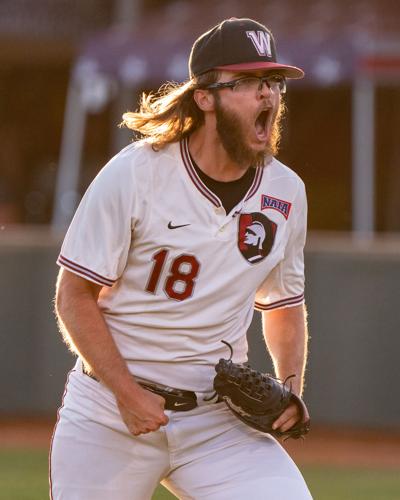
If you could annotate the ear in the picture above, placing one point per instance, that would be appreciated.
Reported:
(204, 99)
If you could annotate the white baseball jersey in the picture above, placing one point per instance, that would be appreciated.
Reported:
(179, 274)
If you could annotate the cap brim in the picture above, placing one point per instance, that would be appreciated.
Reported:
(288, 71)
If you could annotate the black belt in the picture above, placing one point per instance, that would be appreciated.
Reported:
(175, 399)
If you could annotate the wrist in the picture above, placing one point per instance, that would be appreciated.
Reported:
(122, 384)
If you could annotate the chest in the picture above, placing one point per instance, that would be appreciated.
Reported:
(180, 219)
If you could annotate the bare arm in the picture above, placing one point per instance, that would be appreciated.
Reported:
(85, 331)
(286, 336)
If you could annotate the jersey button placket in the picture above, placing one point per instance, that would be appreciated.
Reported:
(223, 226)
(223, 234)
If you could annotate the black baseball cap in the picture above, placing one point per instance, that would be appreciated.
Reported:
(237, 45)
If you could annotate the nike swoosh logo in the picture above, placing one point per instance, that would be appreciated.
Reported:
(179, 404)
(171, 226)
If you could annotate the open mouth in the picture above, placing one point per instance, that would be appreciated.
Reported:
(261, 124)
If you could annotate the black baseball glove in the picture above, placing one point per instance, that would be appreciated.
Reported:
(257, 398)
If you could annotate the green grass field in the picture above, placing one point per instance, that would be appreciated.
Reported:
(23, 476)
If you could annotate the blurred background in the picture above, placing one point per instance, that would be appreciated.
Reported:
(69, 69)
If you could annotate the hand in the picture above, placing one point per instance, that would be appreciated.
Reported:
(145, 413)
(289, 418)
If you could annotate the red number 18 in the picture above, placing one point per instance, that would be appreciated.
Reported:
(181, 278)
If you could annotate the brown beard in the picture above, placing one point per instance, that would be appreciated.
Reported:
(232, 135)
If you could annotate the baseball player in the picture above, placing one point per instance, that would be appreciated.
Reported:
(179, 237)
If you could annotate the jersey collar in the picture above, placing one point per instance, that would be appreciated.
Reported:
(187, 161)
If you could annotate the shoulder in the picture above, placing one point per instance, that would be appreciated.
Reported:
(283, 177)
(140, 155)
(136, 162)
(277, 169)
(131, 157)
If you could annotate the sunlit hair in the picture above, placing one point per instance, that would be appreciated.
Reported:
(276, 132)
(170, 114)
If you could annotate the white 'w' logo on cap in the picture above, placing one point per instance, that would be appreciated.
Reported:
(261, 41)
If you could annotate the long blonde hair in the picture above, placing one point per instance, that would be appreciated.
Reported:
(170, 114)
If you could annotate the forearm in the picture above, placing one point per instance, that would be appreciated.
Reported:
(83, 327)
(286, 336)
(85, 330)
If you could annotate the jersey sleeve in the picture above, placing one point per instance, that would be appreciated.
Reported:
(284, 286)
(97, 242)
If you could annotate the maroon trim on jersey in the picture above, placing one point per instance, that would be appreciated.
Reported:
(256, 183)
(54, 431)
(187, 161)
(193, 174)
(298, 299)
(84, 271)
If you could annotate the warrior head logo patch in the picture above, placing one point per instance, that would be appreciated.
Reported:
(256, 236)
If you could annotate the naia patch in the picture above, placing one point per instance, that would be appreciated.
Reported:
(281, 206)
(256, 236)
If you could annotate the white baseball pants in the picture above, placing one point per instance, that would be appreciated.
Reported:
(205, 453)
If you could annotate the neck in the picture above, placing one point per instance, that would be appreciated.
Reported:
(211, 157)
